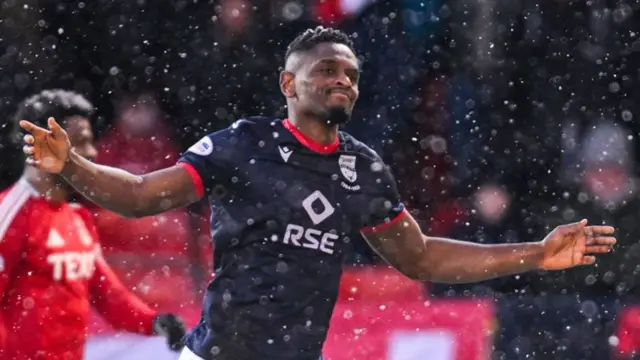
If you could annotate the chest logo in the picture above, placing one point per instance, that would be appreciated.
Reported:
(317, 216)
(54, 240)
(83, 233)
(285, 152)
(348, 167)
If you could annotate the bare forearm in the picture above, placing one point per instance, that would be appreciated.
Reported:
(452, 261)
(111, 188)
(426, 258)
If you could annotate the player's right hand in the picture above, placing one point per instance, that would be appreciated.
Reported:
(575, 244)
(47, 150)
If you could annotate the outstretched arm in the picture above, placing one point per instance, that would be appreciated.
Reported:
(127, 194)
(425, 258)
(114, 189)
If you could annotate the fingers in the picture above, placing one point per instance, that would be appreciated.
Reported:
(572, 228)
(593, 230)
(601, 240)
(26, 125)
(599, 230)
(56, 130)
(32, 155)
(33, 162)
(32, 128)
(597, 249)
(588, 260)
(28, 150)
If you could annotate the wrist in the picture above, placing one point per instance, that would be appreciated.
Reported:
(69, 164)
(530, 256)
(537, 255)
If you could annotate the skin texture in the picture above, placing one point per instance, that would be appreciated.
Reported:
(321, 89)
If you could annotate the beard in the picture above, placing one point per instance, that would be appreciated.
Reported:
(336, 115)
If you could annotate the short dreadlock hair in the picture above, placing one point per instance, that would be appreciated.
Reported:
(312, 37)
(57, 103)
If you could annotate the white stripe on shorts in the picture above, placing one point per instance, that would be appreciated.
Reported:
(189, 355)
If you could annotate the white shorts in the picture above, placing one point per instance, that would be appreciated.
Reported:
(188, 355)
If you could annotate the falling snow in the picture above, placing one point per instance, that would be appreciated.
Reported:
(500, 120)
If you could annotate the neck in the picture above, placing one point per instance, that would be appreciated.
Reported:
(315, 129)
(49, 186)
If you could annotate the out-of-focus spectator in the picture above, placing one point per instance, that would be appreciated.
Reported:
(149, 249)
(332, 12)
(490, 216)
(140, 142)
(606, 192)
(571, 314)
(235, 14)
(140, 139)
(422, 161)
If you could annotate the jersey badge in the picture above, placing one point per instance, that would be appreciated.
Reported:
(348, 168)
(285, 152)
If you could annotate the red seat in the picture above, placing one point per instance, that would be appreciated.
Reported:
(628, 333)
(378, 284)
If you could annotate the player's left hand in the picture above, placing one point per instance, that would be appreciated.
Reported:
(171, 327)
(575, 244)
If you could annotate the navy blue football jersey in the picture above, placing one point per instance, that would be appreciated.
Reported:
(285, 213)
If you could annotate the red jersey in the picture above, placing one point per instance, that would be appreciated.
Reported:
(51, 273)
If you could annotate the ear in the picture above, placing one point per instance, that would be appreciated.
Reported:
(288, 84)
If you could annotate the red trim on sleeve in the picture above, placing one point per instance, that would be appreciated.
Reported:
(308, 142)
(195, 176)
(383, 226)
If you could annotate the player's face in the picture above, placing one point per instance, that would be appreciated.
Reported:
(81, 136)
(327, 84)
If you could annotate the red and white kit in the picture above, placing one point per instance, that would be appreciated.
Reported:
(51, 274)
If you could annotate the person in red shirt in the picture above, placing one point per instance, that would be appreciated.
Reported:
(51, 267)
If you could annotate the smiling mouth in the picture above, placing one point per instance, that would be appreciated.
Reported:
(341, 93)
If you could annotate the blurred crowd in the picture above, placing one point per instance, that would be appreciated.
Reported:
(501, 120)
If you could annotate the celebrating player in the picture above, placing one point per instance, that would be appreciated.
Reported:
(289, 198)
(51, 269)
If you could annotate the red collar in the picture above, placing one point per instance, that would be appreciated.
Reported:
(309, 143)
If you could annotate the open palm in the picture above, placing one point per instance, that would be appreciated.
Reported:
(47, 150)
(576, 244)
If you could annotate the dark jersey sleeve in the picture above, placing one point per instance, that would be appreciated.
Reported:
(383, 206)
(210, 161)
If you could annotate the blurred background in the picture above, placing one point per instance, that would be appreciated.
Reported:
(500, 118)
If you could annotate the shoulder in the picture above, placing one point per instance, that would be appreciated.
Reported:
(19, 196)
(359, 148)
(242, 131)
(367, 161)
(17, 202)
(247, 126)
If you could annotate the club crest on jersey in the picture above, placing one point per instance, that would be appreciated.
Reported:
(348, 168)
(54, 240)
